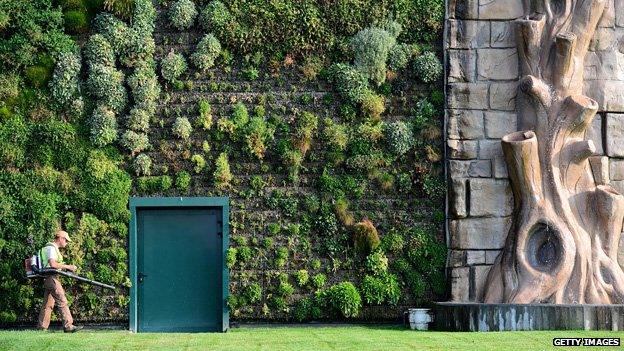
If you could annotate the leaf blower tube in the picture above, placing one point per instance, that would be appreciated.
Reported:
(50, 271)
(33, 271)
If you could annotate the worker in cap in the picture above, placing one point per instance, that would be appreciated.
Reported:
(54, 293)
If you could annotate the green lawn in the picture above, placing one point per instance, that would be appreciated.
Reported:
(291, 338)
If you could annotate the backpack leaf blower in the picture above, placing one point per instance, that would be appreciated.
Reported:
(34, 269)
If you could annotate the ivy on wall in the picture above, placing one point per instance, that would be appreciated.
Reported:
(320, 120)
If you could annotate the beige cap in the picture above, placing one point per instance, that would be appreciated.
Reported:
(63, 234)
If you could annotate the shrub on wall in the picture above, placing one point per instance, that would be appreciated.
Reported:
(257, 135)
(143, 17)
(376, 262)
(399, 137)
(38, 76)
(107, 188)
(33, 28)
(206, 52)
(182, 14)
(143, 165)
(427, 67)
(199, 163)
(105, 83)
(113, 29)
(183, 180)
(103, 126)
(172, 66)
(371, 47)
(373, 106)
(98, 51)
(381, 289)
(342, 299)
(134, 142)
(365, 237)
(138, 120)
(307, 124)
(76, 21)
(182, 128)
(65, 85)
(319, 280)
(399, 56)
(336, 135)
(153, 184)
(140, 48)
(122, 8)
(144, 87)
(215, 16)
(222, 174)
(204, 120)
(350, 82)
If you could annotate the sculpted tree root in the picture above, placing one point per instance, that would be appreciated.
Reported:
(562, 246)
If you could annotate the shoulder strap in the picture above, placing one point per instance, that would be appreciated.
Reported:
(44, 262)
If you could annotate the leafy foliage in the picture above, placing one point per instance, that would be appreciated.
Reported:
(427, 67)
(113, 29)
(172, 66)
(31, 28)
(206, 52)
(76, 21)
(98, 51)
(350, 82)
(365, 237)
(143, 165)
(222, 174)
(399, 137)
(65, 85)
(103, 126)
(134, 142)
(204, 120)
(381, 289)
(342, 299)
(122, 8)
(105, 84)
(182, 14)
(315, 26)
(182, 128)
(371, 47)
(399, 56)
(183, 180)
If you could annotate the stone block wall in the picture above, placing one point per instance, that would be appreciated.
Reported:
(482, 76)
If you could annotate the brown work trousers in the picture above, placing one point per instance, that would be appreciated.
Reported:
(54, 292)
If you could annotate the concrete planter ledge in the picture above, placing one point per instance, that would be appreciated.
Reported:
(453, 316)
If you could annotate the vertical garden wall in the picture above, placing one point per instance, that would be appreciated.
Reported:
(320, 120)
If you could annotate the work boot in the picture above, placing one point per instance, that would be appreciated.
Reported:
(73, 329)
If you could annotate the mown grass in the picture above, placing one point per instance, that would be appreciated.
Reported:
(291, 338)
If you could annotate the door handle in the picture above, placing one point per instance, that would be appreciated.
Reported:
(140, 275)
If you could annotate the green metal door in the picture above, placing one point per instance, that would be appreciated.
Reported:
(179, 269)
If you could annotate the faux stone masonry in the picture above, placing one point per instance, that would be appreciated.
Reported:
(482, 76)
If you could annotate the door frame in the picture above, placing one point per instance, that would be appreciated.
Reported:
(155, 202)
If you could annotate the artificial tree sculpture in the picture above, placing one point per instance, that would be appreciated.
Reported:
(563, 242)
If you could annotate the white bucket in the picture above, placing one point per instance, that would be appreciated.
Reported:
(419, 318)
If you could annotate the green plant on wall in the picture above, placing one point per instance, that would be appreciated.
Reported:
(222, 174)
(309, 116)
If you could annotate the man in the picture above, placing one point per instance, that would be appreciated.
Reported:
(51, 258)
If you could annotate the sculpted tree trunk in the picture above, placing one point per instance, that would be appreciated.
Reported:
(562, 246)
